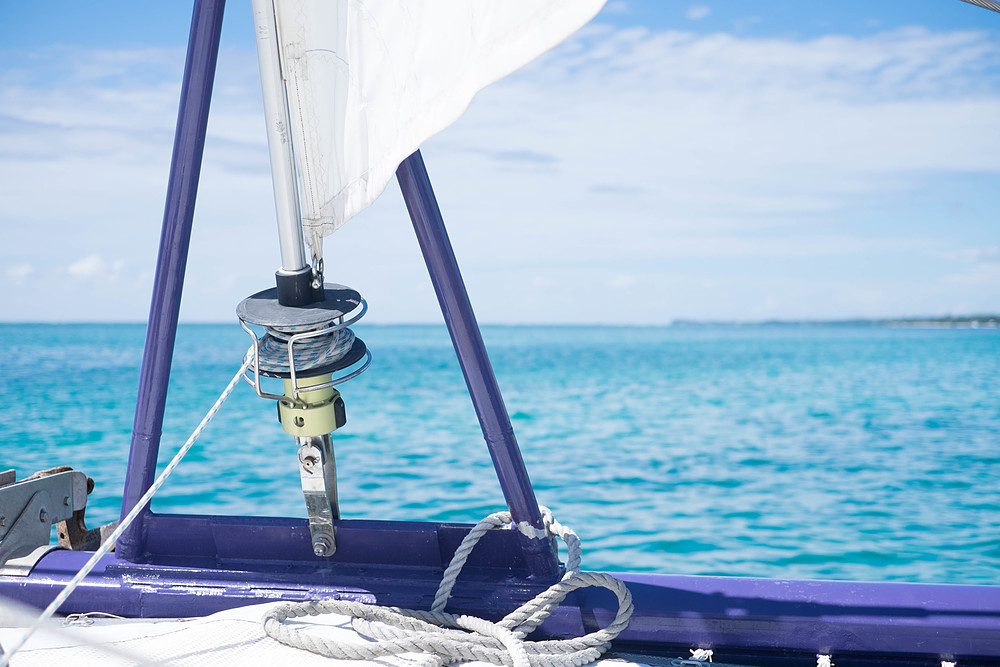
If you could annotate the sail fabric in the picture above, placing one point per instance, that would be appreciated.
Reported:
(368, 81)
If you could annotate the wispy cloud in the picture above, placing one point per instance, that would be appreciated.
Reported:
(984, 255)
(523, 156)
(18, 272)
(697, 12)
(980, 268)
(756, 130)
(982, 275)
(617, 161)
(94, 267)
(617, 7)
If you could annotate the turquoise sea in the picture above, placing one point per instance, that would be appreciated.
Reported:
(784, 451)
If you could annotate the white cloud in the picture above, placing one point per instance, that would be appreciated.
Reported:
(95, 267)
(981, 270)
(18, 272)
(698, 12)
(760, 133)
(616, 7)
(619, 156)
(623, 280)
(744, 23)
(989, 255)
(87, 267)
(986, 274)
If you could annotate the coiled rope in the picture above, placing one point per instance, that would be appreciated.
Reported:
(129, 518)
(442, 637)
(311, 352)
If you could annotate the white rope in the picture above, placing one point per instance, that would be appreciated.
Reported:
(87, 618)
(129, 518)
(442, 637)
(702, 654)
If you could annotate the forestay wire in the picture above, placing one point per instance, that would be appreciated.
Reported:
(985, 4)
(442, 638)
(109, 543)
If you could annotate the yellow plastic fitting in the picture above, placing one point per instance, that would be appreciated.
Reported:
(319, 411)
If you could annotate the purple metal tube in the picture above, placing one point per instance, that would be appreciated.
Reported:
(175, 236)
(468, 341)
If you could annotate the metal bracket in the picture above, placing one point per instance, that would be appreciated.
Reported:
(318, 473)
(30, 507)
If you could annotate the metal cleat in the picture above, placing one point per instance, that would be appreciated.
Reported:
(30, 507)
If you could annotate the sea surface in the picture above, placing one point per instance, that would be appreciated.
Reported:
(831, 452)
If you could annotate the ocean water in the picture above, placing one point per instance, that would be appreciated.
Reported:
(811, 452)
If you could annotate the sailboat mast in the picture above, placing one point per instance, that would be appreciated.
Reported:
(286, 200)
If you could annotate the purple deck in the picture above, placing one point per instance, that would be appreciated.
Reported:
(206, 564)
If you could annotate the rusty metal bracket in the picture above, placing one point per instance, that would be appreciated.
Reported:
(30, 507)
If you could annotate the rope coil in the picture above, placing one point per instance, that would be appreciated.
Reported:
(446, 638)
(315, 351)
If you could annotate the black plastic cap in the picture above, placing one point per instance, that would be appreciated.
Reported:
(295, 289)
(340, 412)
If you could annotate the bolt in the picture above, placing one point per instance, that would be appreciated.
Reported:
(308, 462)
(66, 501)
(43, 516)
(3, 521)
(321, 545)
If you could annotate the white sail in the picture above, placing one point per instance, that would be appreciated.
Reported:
(368, 81)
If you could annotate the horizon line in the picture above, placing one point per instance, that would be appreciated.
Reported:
(680, 321)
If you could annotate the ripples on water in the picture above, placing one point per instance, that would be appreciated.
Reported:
(815, 452)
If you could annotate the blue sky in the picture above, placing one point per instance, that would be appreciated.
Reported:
(707, 160)
(122, 23)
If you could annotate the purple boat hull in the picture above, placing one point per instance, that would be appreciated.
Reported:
(198, 565)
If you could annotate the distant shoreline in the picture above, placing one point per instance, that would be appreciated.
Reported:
(959, 322)
(949, 322)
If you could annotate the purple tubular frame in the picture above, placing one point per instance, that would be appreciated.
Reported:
(468, 341)
(175, 237)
